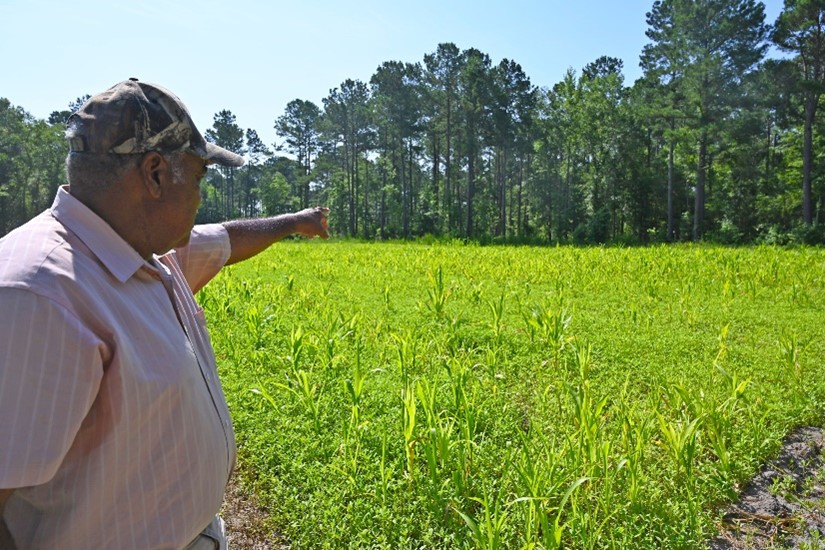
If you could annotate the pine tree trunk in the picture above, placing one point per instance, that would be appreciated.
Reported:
(471, 190)
(699, 204)
(807, 158)
(671, 215)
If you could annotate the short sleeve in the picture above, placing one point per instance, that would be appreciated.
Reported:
(207, 252)
(51, 368)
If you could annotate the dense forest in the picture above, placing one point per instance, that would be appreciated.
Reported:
(717, 140)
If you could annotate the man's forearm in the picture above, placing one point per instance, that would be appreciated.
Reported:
(250, 237)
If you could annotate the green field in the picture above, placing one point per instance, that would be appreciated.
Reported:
(457, 396)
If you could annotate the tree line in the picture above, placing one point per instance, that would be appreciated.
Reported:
(716, 140)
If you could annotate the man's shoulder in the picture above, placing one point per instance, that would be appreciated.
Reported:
(38, 248)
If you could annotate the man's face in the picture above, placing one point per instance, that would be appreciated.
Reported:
(183, 197)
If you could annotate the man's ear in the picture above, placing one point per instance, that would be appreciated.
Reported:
(154, 169)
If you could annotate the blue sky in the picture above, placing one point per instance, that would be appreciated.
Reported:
(254, 56)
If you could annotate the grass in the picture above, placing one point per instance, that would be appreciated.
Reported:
(449, 396)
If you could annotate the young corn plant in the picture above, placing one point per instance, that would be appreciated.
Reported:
(680, 440)
(466, 421)
(588, 454)
(355, 389)
(636, 435)
(438, 294)
(406, 353)
(550, 327)
(733, 403)
(791, 350)
(586, 524)
(583, 360)
(298, 381)
(296, 348)
(338, 329)
(469, 421)
(439, 439)
(492, 360)
(256, 320)
(497, 311)
(465, 406)
(487, 532)
(300, 384)
(459, 375)
(462, 471)
(537, 477)
(718, 428)
(436, 444)
(426, 395)
(261, 391)
(552, 533)
(588, 418)
(408, 425)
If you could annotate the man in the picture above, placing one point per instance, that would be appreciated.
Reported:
(115, 431)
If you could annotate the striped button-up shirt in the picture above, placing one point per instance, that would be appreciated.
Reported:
(114, 430)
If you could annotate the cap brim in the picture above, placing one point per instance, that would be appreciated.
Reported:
(219, 155)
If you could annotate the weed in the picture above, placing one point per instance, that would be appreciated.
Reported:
(385, 409)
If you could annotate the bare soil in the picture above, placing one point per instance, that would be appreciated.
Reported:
(245, 521)
(784, 505)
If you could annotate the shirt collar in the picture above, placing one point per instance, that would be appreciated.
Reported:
(114, 253)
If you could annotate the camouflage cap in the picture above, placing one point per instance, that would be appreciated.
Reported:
(136, 117)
